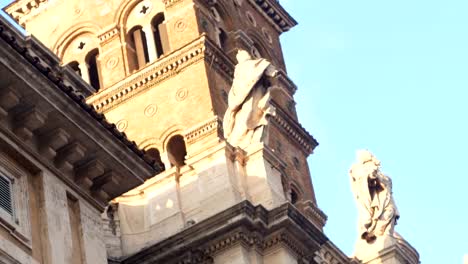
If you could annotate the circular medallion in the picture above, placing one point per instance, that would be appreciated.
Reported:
(122, 125)
(251, 18)
(112, 62)
(151, 110)
(267, 35)
(180, 25)
(181, 94)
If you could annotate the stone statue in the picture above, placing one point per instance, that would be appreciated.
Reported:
(248, 100)
(373, 192)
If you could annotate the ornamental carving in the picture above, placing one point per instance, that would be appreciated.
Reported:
(151, 110)
(112, 62)
(122, 125)
(181, 94)
(180, 25)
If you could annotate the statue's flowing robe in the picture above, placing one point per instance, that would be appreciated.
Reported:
(247, 101)
(376, 208)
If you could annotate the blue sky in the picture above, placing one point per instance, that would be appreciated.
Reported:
(389, 76)
(392, 77)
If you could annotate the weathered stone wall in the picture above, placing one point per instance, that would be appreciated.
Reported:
(44, 216)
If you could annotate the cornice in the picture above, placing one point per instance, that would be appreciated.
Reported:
(22, 10)
(318, 216)
(203, 130)
(275, 14)
(330, 254)
(109, 34)
(294, 130)
(270, 9)
(170, 3)
(252, 226)
(161, 70)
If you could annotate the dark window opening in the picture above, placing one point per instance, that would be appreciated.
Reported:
(222, 38)
(153, 154)
(294, 196)
(139, 45)
(176, 151)
(75, 66)
(156, 24)
(91, 61)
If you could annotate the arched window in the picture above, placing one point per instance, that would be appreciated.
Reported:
(138, 46)
(294, 196)
(153, 154)
(75, 66)
(222, 36)
(91, 62)
(176, 151)
(156, 25)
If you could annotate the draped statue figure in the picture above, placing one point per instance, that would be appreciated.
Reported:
(373, 192)
(248, 100)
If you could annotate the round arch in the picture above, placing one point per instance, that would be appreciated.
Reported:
(260, 44)
(168, 133)
(125, 8)
(71, 34)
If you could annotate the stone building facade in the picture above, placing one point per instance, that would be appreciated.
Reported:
(160, 70)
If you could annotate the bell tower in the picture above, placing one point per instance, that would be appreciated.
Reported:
(161, 70)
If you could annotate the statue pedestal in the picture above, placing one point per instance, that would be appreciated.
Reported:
(262, 170)
(386, 250)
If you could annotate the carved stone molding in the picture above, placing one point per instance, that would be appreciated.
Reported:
(295, 131)
(22, 10)
(109, 35)
(275, 14)
(165, 68)
(152, 75)
(243, 224)
(204, 129)
(170, 3)
(330, 254)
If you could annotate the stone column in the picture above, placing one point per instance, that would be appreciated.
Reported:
(148, 30)
(139, 48)
(263, 177)
(84, 71)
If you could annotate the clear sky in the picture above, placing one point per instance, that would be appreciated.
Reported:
(392, 77)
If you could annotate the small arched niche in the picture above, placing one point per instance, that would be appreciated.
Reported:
(294, 196)
(154, 154)
(75, 66)
(91, 60)
(176, 151)
(156, 25)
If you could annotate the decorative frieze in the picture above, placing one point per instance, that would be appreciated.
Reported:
(170, 3)
(108, 35)
(167, 67)
(22, 10)
(252, 227)
(150, 77)
(205, 129)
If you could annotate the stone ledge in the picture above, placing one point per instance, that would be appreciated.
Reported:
(242, 223)
(292, 128)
